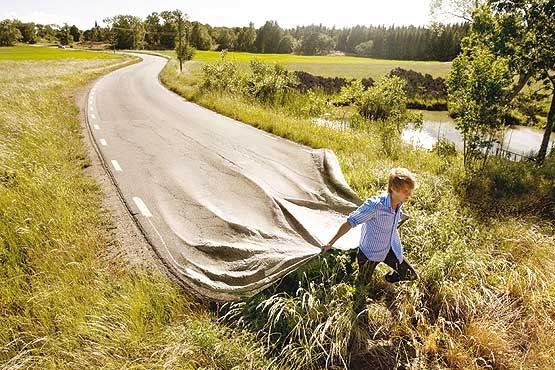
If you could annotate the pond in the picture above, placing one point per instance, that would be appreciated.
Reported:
(519, 140)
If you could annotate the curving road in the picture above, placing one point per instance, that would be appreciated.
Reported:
(228, 208)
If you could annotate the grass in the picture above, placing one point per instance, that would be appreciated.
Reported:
(63, 302)
(486, 298)
(328, 66)
(25, 52)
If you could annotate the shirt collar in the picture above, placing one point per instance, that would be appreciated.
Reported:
(387, 202)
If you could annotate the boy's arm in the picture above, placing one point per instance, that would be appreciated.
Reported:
(343, 229)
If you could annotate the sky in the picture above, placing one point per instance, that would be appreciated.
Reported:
(288, 13)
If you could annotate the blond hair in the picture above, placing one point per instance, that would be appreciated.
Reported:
(399, 177)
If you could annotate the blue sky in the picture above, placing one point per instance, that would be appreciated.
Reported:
(288, 13)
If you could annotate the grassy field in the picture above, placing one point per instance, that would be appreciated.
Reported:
(486, 257)
(329, 66)
(25, 52)
(64, 304)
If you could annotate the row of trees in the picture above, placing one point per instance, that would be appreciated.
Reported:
(13, 30)
(158, 31)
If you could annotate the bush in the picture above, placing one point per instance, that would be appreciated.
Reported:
(386, 99)
(222, 76)
(269, 84)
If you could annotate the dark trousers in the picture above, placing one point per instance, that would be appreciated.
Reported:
(401, 271)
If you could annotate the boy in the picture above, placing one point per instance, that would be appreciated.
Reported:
(379, 241)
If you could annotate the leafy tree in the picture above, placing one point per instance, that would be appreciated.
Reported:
(246, 38)
(200, 37)
(225, 38)
(9, 33)
(169, 30)
(153, 30)
(28, 32)
(316, 43)
(182, 48)
(365, 48)
(477, 85)
(64, 35)
(268, 37)
(75, 33)
(128, 31)
(522, 32)
(287, 44)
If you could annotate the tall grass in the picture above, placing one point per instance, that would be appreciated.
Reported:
(486, 297)
(63, 302)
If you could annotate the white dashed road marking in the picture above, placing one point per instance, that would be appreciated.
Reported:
(96, 127)
(103, 142)
(116, 165)
(142, 207)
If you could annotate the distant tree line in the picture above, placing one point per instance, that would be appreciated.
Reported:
(158, 31)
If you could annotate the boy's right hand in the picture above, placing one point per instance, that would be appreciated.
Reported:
(326, 248)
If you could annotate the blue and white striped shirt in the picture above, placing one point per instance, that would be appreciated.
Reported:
(379, 231)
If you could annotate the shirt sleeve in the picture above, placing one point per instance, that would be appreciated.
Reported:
(364, 213)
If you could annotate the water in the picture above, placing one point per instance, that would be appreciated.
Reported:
(520, 140)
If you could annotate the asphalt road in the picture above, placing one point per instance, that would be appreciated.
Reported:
(227, 207)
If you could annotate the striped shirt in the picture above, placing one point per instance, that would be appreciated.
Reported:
(379, 231)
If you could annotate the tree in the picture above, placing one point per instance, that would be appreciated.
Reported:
(225, 38)
(28, 32)
(246, 38)
(64, 35)
(287, 44)
(268, 37)
(477, 84)
(200, 37)
(128, 31)
(75, 33)
(9, 33)
(182, 48)
(522, 32)
(153, 30)
(316, 43)
(365, 48)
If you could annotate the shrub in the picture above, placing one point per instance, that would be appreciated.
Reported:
(269, 84)
(222, 76)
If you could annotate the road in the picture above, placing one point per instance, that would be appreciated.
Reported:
(228, 208)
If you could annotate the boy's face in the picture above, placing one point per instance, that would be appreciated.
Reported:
(402, 193)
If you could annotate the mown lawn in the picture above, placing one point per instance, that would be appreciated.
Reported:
(329, 66)
(26, 52)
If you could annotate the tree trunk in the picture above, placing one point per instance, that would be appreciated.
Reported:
(548, 130)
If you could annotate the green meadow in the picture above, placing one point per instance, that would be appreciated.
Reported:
(25, 52)
(329, 66)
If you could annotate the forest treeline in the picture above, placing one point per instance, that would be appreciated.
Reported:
(158, 31)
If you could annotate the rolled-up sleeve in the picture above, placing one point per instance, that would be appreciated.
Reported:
(364, 213)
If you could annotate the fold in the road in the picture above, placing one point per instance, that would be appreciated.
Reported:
(229, 208)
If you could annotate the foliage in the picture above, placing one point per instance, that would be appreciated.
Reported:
(9, 33)
(127, 31)
(222, 76)
(364, 48)
(477, 86)
(269, 83)
(385, 100)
